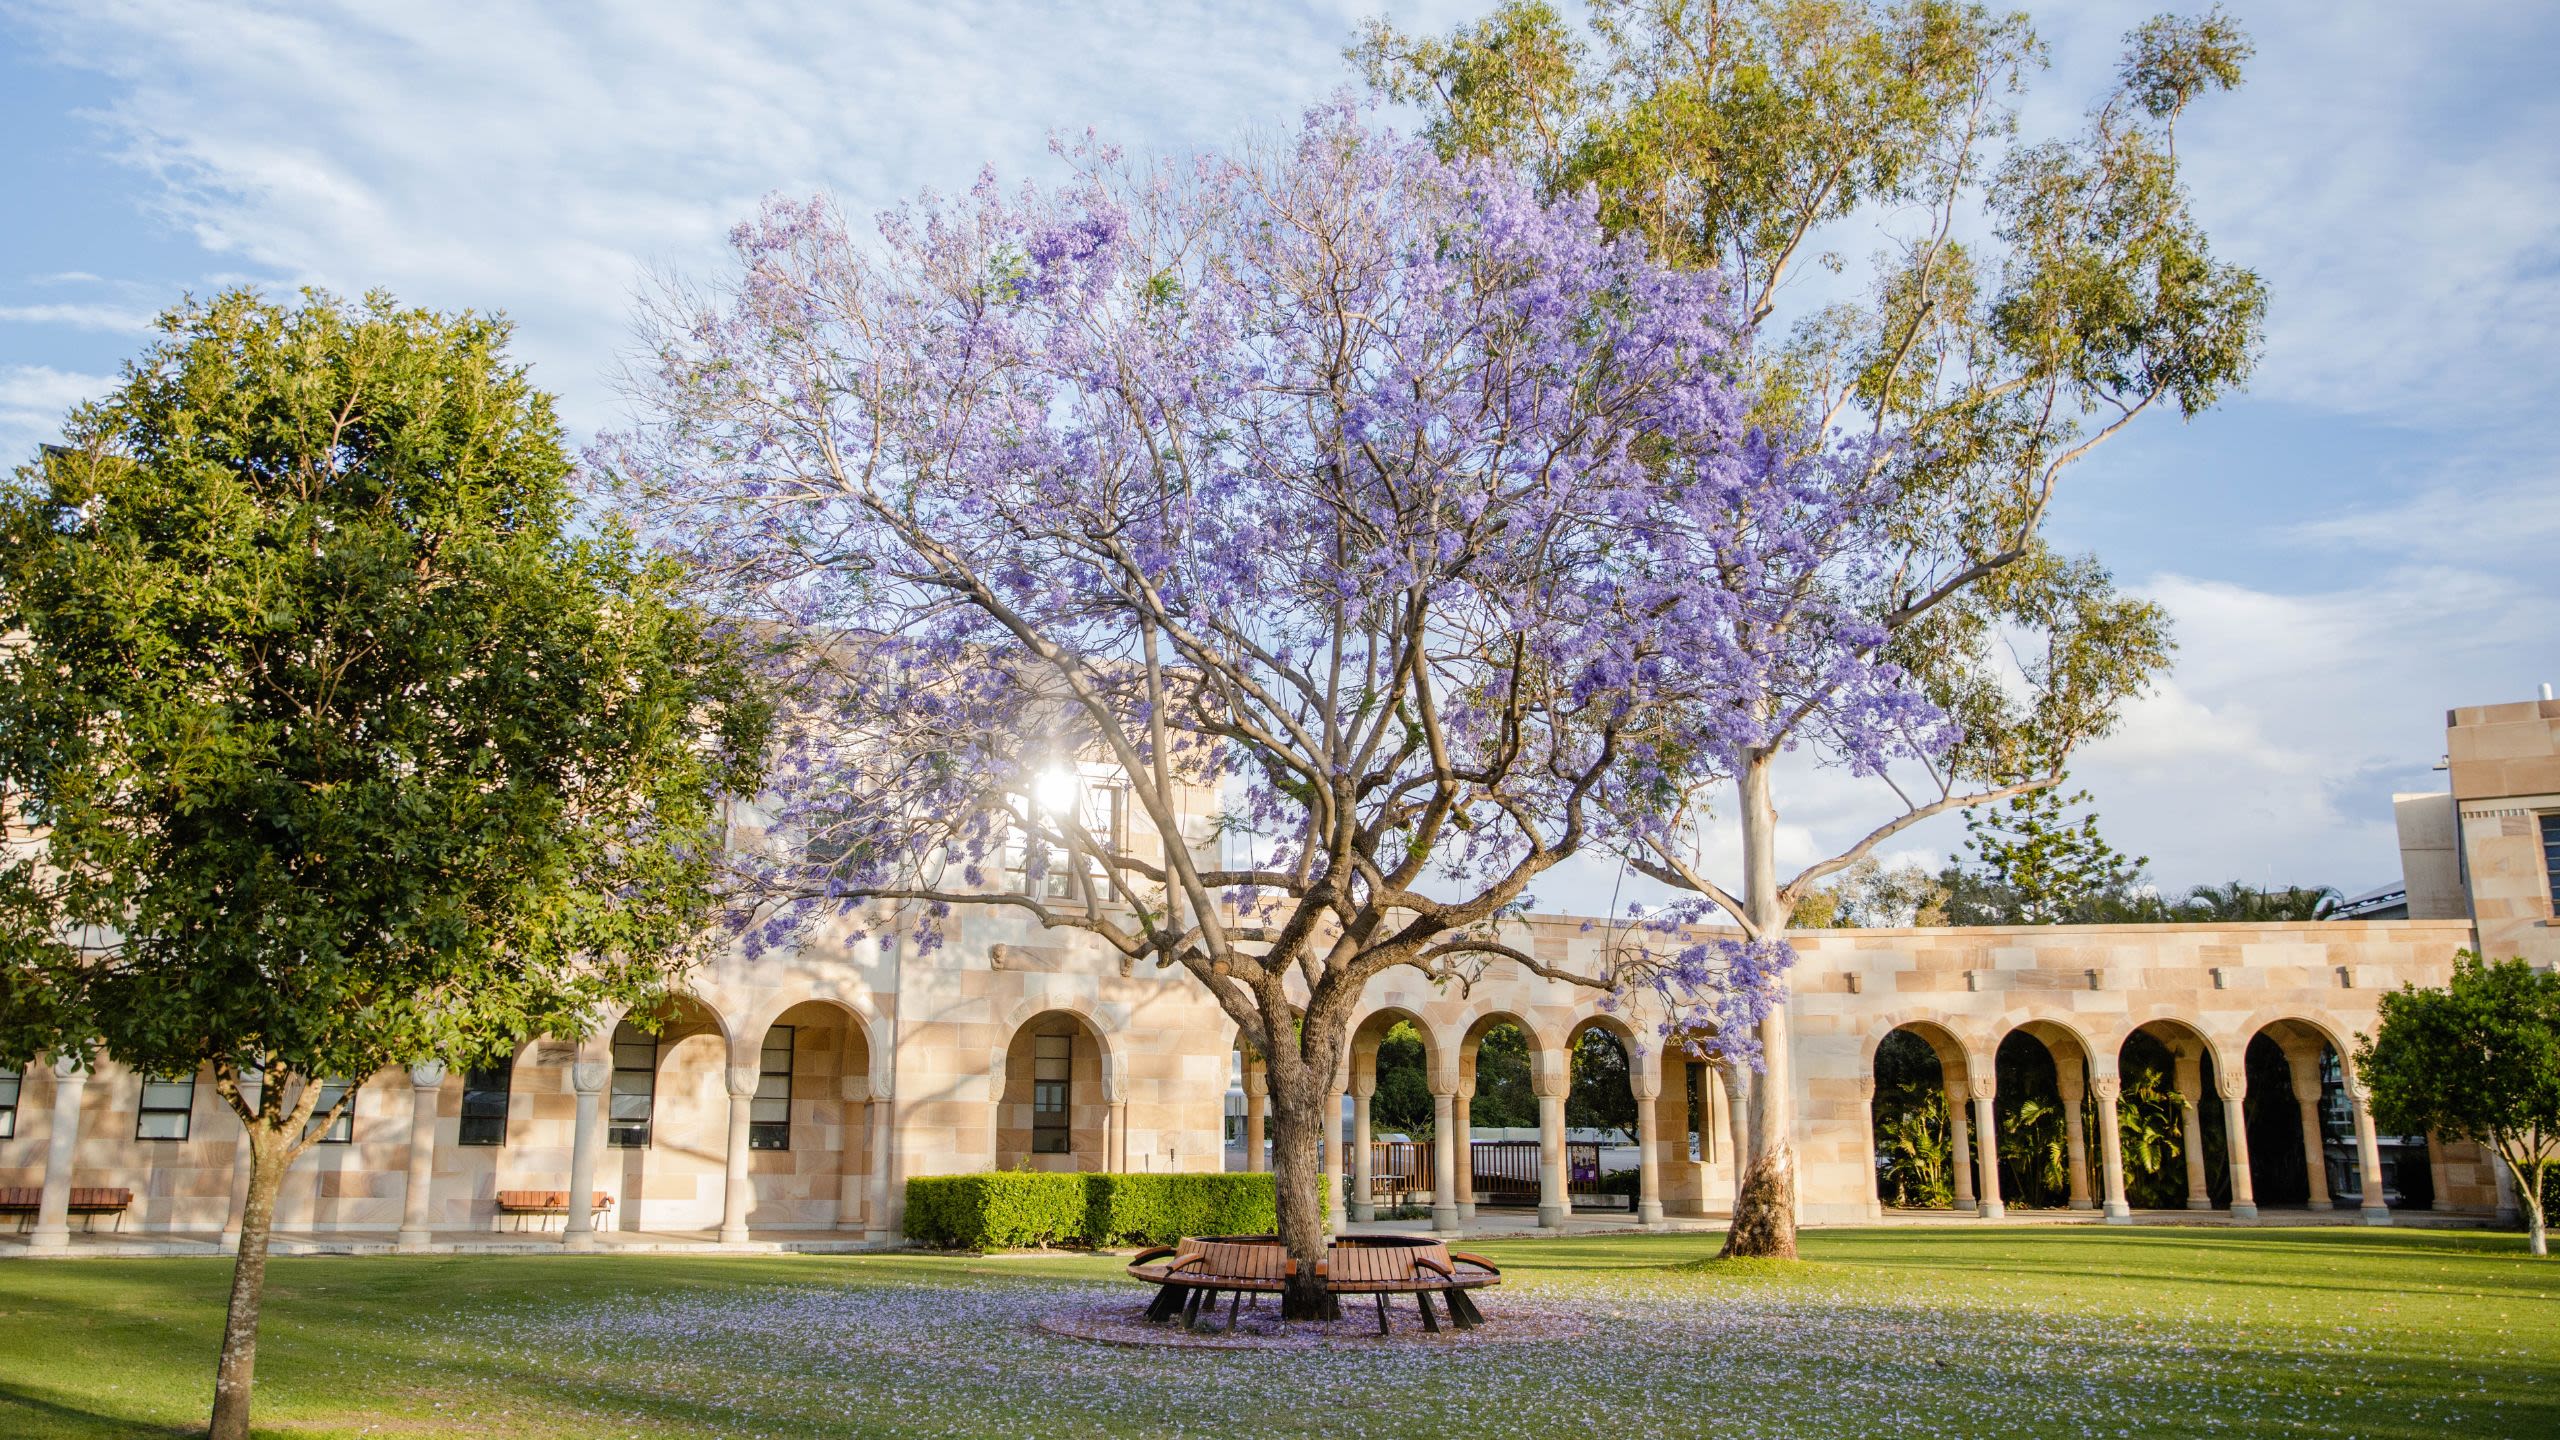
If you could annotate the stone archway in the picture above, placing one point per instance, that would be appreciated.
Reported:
(1057, 1107)
(1921, 1126)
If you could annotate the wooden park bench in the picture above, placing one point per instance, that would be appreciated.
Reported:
(87, 1201)
(526, 1205)
(1192, 1275)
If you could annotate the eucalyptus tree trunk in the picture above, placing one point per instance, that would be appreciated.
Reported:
(1764, 1207)
(270, 1155)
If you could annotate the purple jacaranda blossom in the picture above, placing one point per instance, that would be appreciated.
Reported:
(1416, 528)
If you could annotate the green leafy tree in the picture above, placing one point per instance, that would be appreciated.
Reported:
(1601, 1095)
(2034, 298)
(1403, 1099)
(1869, 895)
(2477, 1060)
(1504, 1097)
(326, 746)
(2032, 864)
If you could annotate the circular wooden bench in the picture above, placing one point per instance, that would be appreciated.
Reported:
(1190, 1276)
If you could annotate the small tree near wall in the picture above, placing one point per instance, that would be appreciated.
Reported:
(2477, 1060)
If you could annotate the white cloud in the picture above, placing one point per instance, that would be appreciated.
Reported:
(33, 401)
(543, 160)
(117, 319)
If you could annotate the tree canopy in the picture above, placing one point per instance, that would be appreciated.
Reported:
(1363, 488)
(325, 744)
(2476, 1060)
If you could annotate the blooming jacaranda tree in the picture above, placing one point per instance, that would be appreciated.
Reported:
(1410, 519)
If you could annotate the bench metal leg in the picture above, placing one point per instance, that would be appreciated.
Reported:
(1168, 1299)
(1462, 1310)
(1235, 1306)
(1382, 1312)
(1430, 1316)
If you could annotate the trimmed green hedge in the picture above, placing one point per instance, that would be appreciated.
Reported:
(1013, 1209)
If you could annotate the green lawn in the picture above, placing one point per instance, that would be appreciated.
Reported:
(2029, 1331)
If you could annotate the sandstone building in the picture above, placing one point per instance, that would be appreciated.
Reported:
(786, 1099)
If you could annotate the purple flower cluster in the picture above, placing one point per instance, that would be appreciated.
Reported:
(1421, 524)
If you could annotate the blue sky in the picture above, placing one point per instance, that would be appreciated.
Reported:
(2362, 540)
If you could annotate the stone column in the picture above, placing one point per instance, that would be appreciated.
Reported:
(426, 1083)
(2305, 1068)
(2235, 1129)
(1257, 1100)
(2111, 1149)
(1335, 1217)
(738, 1193)
(1649, 1147)
(1364, 1181)
(1986, 1123)
(588, 1078)
(2368, 1154)
(1960, 1148)
(2075, 1134)
(1867, 1147)
(1554, 1202)
(61, 1152)
(854, 1142)
(2190, 1077)
(1465, 1178)
(1444, 1161)
(880, 1224)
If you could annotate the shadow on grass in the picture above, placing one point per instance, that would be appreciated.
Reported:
(23, 1410)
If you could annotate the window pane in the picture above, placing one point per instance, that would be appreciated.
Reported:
(168, 1094)
(769, 1137)
(163, 1125)
(761, 1111)
(630, 1107)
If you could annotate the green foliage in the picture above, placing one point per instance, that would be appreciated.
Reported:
(1740, 135)
(354, 752)
(1868, 895)
(1912, 1137)
(1403, 1101)
(1504, 1099)
(1015, 1209)
(2033, 866)
(1158, 1209)
(998, 1210)
(1601, 1094)
(2476, 1060)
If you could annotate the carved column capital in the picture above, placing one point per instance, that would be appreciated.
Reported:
(2231, 1087)
(427, 1074)
(1983, 1087)
(2108, 1088)
(589, 1076)
(742, 1081)
(67, 1070)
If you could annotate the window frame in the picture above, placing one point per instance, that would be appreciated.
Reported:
(621, 1133)
(773, 1093)
(342, 1131)
(2548, 832)
(1053, 1126)
(185, 1111)
(13, 1085)
(473, 1129)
